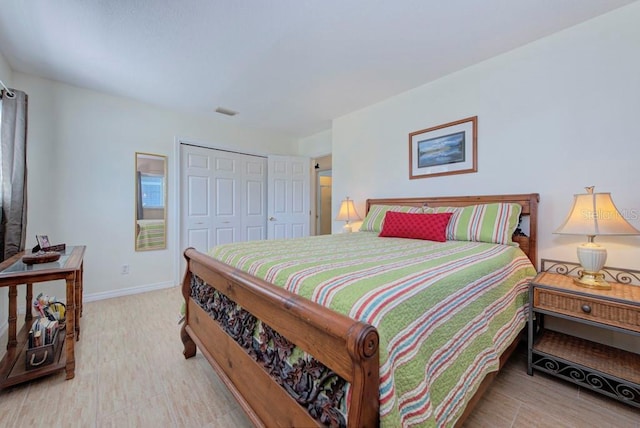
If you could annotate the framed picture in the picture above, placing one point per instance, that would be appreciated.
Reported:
(43, 241)
(444, 150)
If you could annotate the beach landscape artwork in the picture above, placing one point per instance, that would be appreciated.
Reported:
(441, 150)
(444, 149)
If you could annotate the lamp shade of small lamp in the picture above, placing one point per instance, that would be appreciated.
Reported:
(594, 214)
(347, 213)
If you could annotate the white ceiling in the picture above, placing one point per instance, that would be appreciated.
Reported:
(286, 65)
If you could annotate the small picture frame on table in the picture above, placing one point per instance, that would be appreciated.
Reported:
(43, 241)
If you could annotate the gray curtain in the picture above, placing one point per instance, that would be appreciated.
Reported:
(13, 175)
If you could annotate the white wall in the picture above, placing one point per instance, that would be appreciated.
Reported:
(315, 145)
(5, 71)
(81, 185)
(553, 116)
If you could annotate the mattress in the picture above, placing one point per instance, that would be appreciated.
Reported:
(444, 311)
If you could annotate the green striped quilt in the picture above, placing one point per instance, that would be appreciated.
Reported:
(151, 235)
(444, 311)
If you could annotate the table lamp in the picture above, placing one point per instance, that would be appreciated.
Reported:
(594, 214)
(347, 213)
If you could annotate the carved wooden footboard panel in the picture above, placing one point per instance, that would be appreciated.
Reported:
(347, 347)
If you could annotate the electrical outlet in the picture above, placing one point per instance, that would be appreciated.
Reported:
(125, 270)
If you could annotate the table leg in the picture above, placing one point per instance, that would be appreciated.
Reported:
(12, 342)
(81, 287)
(70, 341)
(78, 300)
(28, 315)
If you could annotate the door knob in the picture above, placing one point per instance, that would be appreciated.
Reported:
(272, 219)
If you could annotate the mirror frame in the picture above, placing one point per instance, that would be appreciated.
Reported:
(140, 243)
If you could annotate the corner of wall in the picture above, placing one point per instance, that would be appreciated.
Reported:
(6, 74)
(319, 144)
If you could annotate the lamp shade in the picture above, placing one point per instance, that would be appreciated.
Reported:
(594, 214)
(347, 211)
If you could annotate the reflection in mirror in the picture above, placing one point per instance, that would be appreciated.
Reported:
(151, 202)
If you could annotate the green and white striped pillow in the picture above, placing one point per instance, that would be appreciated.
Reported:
(375, 217)
(493, 223)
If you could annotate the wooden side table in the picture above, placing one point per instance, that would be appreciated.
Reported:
(605, 369)
(13, 273)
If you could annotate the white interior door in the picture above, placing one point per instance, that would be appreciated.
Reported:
(254, 203)
(288, 202)
(226, 223)
(196, 197)
(223, 197)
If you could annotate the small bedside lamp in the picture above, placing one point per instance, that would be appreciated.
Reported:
(594, 214)
(347, 213)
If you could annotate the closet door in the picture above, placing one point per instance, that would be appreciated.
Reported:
(254, 201)
(226, 225)
(288, 188)
(223, 197)
(196, 204)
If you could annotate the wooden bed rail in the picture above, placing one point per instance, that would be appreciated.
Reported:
(348, 347)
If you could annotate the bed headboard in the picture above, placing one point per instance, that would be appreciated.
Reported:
(528, 202)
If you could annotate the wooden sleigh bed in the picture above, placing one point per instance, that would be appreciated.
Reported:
(348, 348)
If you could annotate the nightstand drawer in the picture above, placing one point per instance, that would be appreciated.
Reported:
(596, 310)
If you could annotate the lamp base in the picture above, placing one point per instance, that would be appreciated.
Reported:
(592, 280)
(346, 228)
(592, 258)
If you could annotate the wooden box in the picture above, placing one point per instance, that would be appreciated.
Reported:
(46, 354)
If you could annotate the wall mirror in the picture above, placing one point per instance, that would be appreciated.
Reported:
(151, 202)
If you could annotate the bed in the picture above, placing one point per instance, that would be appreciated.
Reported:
(150, 235)
(289, 361)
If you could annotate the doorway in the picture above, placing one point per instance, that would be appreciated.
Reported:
(228, 191)
(223, 197)
(324, 203)
(323, 189)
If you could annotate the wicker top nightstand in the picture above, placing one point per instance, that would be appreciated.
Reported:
(618, 307)
(606, 369)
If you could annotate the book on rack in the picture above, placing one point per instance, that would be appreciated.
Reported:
(43, 332)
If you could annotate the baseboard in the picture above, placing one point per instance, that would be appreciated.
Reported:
(105, 295)
(127, 291)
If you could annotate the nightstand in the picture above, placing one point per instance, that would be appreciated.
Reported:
(605, 369)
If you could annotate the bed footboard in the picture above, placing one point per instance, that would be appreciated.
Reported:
(348, 348)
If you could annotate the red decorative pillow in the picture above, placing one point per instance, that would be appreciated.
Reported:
(432, 227)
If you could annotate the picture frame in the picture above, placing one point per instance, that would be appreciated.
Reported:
(43, 241)
(445, 149)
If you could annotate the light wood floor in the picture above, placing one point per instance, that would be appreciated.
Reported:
(130, 372)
